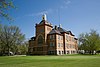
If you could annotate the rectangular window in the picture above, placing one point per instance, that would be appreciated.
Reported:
(61, 37)
(52, 37)
(39, 48)
(68, 46)
(73, 40)
(58, 44)
(73, 46)
(67, 37)
(61, 45)
(62, 52)
(59, 52)
(58, 37)
(51, 52)
(51, 44)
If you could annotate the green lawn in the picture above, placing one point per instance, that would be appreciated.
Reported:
(51, 61)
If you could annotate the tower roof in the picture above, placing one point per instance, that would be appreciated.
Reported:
(44, 20)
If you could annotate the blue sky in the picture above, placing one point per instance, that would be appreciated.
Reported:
(75, 15)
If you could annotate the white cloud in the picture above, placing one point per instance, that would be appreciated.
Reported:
(41, 13)
(65, 4)
(36, 14)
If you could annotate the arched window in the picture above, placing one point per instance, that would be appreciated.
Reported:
(40, 40)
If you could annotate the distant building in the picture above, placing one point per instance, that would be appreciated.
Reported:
(52, 41)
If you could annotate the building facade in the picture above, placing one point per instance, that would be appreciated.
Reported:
(52, 41)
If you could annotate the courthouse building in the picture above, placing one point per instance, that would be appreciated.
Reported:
(49, 40)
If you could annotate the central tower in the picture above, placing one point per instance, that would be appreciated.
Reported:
(42, 29)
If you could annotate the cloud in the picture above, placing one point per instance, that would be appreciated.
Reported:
(35, 14)
(65, 4)
(41, 13)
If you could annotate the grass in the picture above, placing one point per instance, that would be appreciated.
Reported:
(51, 61)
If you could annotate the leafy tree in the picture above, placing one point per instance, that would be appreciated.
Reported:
(10, 37)
(23, 49)
(5, 5)
(89, 41)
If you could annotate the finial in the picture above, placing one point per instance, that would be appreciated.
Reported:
(44, 17)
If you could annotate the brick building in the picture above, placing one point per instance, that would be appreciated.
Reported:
(49, 40)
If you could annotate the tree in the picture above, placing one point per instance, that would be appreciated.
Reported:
(89, 41)
(5, 5)
(10, 37)
(23, 48)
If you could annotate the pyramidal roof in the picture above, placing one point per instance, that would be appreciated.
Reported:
(57, 30)
(44, 20)
(53, 31)
(61, 30)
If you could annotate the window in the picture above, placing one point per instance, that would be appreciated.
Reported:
(52, 37)
(39, 48)
(67, 52)
(51, 52)
(61, 44)
(71, 52)
(68, 46)
(73, 46)
(58, 37)
(62, 52)
(73, 40)
(41, 30)
(40, 40)
(51, 44)
(58, 44)
(59, 52)
(33, 49)
(67, 37)
(61, 37)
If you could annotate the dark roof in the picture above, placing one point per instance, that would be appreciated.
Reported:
(43, 21)
(53, 31)
(69, 32)
(61, 30)
(33, 38)
(75, 38)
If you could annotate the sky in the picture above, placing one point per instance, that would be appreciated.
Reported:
(78, 16)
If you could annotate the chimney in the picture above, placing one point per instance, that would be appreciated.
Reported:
(55, 27)
(60, 25)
